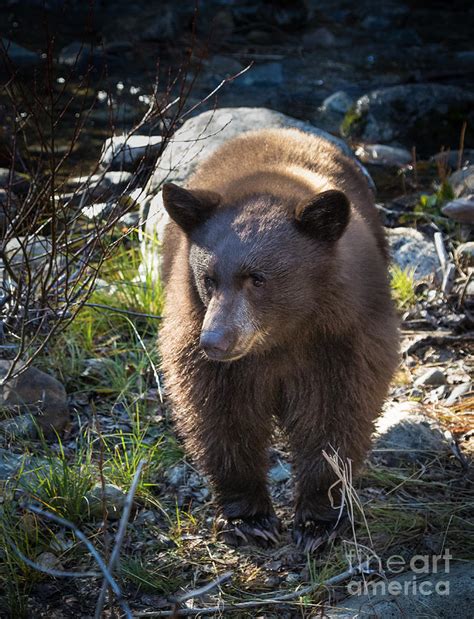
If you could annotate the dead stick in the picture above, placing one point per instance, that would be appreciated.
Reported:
(282, 599)
(119, 539)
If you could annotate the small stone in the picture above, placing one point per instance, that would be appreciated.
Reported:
(462, 181)
(18, 183)
(458, 393)
(99, 210)
(97, 185)
(280, 472)
(48, 561)
(21, 426)
(451, 158)
(461, 210)
(379, 154)
(268, 73)
(433, 376)
(224, 66)
(337, 103)
(110, 496)
(437, 394)
(405, 433)
(293, 578)
(411, 249)
(35, 249)
(8, 208)
(36, 393)
(176, 474)
(11, 464)
(465, 254)
(125, 151)
(321, 37)
(19, 57)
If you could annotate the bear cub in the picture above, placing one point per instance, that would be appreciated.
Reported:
(277, 310)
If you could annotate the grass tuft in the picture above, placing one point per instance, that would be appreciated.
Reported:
(403, 285)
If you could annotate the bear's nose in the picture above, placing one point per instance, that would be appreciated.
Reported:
(216, 344)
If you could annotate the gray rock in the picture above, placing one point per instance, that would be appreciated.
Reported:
(18, 183)
(21, 426)
(48, 560)
(110, 496)
(35, 393)
(125, 151)
(465, 254)
(269, 74)
(224, 66)
(201, 135)
(450, 158)
(18, 56)
(34, 250)
(320, 37)
(462, 181)
(11, 464)
(99, 210)
(196, 140)
(405, 433)
(409, 114)
(380, 154)
(8, 208)
(433, 376)
(410, 248)
(447, 591)
(461, 210)
(337, 103)
(458, 393)
(280, 472)
(176, 474)
(101, 185)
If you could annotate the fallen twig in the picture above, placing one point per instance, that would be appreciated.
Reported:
(100, 562)
(205, 588)
(437, 340)
(48, 570)
(281, 599)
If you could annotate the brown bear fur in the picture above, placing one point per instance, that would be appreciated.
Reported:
(275, 258)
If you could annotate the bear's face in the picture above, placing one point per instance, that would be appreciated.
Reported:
(258, 267)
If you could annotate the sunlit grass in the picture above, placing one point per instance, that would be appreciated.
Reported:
(403, 285)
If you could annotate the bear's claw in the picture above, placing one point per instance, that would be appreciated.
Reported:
(314, 534)
(261, 530)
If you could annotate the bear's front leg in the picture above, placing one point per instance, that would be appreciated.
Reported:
(332, 414)
(227, 426)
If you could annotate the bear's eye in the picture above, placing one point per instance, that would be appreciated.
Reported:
(209, 283)
(257, 279)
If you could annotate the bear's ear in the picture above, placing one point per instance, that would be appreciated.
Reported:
(325, 217)
(189, 209)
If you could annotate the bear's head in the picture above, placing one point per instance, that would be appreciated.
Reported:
(262, 268)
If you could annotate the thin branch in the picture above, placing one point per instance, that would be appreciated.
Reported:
(47, 570)
(286, 598)
(220, 580)
(80, 535)
(114, 557)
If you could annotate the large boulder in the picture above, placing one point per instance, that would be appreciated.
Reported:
(198, 138)
(425, 115)
(434, 587)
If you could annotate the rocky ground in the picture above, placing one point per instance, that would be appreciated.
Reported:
(394, 87)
